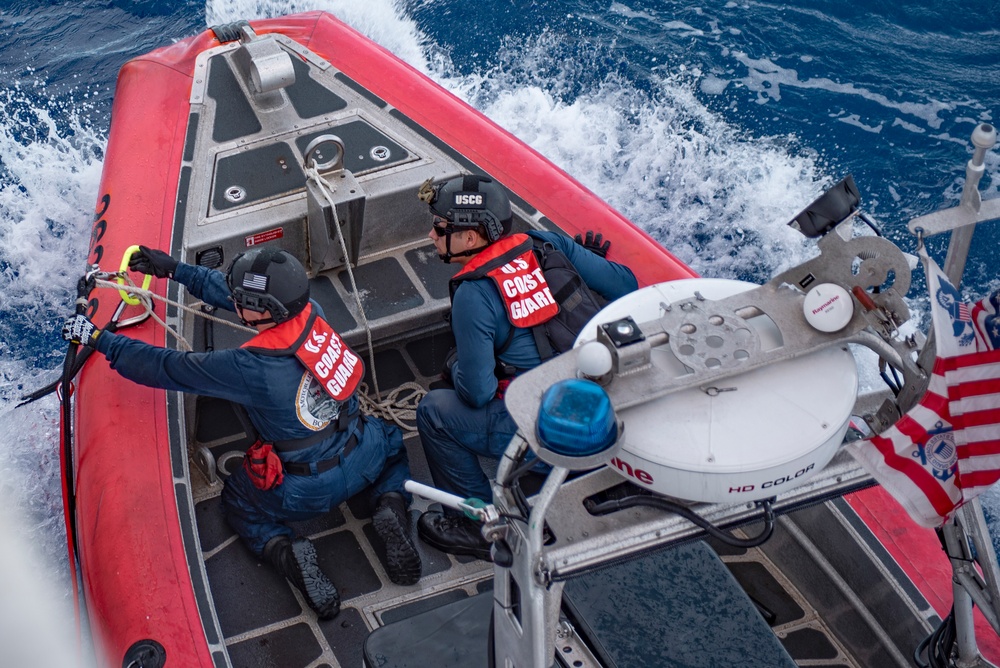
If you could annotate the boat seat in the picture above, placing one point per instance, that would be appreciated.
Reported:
(678, 607)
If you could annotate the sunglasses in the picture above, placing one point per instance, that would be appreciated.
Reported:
(442, 226)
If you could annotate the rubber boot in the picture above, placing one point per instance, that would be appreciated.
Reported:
(392, 524)
(297, 561)
(454, 534)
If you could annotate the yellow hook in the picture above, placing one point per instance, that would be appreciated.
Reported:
(126, 297)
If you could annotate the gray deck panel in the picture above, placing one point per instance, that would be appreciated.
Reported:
(701, 618)
(385, 288)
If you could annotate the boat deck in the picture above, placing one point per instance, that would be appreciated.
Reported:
(223, 171)
(801, 581)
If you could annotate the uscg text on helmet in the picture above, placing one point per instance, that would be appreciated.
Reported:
(772, 483)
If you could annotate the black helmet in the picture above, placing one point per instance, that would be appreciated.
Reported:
(269, 280)
(471, 201)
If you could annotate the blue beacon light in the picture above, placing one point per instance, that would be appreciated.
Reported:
(577, 426)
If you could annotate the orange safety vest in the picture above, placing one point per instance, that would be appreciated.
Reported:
(320, 349)
(512, 265)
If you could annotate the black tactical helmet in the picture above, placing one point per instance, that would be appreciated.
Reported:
(269, 280)
(471, 201)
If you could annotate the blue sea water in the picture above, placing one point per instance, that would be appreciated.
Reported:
(710, 125)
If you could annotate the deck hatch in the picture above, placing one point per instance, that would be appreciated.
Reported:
(703, 618)
(450, 636)
(258, 174)
(274, 169)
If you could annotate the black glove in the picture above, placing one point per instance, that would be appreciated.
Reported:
(594, 243)
(79, 329)
(152, 261)
(449, 362)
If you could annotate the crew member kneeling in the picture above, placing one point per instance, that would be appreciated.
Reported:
(296, 380)
(517, 299)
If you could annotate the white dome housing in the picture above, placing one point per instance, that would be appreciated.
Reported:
(746, 437)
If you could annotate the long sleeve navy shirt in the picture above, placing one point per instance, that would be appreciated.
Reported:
(283, 400)
(480, 325)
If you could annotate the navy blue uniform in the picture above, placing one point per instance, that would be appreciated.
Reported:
(284, 402)
(457, 426)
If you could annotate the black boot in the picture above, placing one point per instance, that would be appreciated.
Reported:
(297, 561)
(454, 534)
(392, 524)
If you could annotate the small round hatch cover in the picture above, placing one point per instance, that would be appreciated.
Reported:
(236, 194)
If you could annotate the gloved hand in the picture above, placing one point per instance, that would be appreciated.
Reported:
(594, 243)
(449, 362)
(79, 329)
(152, 261)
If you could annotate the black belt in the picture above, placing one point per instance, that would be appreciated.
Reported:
(340, 424)
(306, 468)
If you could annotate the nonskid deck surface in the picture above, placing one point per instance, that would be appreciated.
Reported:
(265, 621)
(260, 614)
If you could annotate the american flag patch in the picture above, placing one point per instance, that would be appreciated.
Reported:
(964, 312)
(255, 282)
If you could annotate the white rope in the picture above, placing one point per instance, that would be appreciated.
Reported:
(392, 407)
(313, 174)
(144, 299)
(397, 407)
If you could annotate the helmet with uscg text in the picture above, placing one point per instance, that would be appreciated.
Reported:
(471, 201)
(269, 280)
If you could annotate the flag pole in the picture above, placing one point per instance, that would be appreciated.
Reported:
(969, 520)
(968, 523)
(984, 137)
(962, 221)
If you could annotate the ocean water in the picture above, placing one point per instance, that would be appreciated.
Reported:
(710, 125)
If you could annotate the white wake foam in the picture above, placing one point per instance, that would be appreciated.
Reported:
(51, 170)
(716, 197)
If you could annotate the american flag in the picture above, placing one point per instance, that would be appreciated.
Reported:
(964, 312)
(255, 282)
(946, 450)
(986, 320)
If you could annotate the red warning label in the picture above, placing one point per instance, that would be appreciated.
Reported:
(261, 237)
